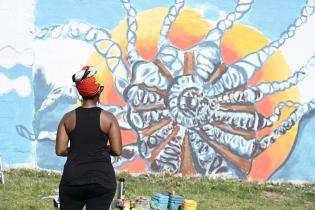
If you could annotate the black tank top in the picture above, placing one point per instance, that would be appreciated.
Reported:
(88, 158)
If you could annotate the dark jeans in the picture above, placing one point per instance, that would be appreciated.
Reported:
(94, 196)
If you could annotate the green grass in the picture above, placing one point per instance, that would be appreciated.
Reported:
(28, 189)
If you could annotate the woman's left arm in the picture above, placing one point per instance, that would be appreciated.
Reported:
(62, 139)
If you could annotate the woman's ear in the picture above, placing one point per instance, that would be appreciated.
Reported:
(101, 88)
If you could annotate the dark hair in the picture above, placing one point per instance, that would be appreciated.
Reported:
(90, 97)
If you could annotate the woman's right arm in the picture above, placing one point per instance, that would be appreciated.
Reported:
(62, 139)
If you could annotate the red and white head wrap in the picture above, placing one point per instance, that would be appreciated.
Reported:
(86, 81)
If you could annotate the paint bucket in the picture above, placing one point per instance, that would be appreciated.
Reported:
(160, 200)
(142, 203)
(189, 205)
(175, 202)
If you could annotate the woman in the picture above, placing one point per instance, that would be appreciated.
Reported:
(88, 177)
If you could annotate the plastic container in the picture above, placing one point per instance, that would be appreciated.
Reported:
(142, 203)
(160, 200)
(175, 202)
(189, 205)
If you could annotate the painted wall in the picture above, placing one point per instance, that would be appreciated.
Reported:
(199, 87)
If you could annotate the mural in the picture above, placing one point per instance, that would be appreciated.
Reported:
(193, 94)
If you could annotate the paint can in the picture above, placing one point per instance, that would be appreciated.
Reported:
(142, 203)
(189, 205)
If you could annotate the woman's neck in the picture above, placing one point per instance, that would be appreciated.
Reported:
(88, 103)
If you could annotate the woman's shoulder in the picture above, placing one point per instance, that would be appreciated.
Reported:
(69, 116)
(69, 120)
(107, 114)
(106, 120)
